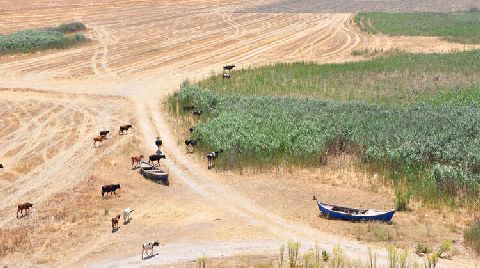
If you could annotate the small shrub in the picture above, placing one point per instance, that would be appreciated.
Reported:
(293, 250)
(281, 256)
(338, 258)
(432, 260)
(392, 256)
(422, 249)
(325, 255)
(445, 247)
(105, 211)
(308, 258)
(472, 236)
(201, 261)
(402, 199)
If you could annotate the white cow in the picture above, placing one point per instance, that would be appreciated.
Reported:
(126, 215)
(148, 248)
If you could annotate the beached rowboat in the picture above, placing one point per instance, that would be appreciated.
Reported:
(353, 214)
(154, 173)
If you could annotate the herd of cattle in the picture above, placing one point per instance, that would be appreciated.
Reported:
(23, 209)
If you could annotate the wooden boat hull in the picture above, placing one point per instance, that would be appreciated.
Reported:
(369, 215)
(154, 173)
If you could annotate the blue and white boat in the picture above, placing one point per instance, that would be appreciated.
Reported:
(353, 214)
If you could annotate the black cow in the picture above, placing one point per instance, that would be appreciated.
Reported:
(197, 112)
(111, 188)
(211, 158)
(191, 142)
(189, 108)
(156, 157)
(104, 133)
(228, 67)
(158, 142)
(1, 166)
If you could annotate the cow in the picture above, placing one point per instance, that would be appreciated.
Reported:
(156, 157)
(115, 223)
(104, 133)
(98, 139)
(188, 108)
(1, 166)
(22, 207)
(196, 112)
(148, 247)
(191, 129)
(136, 160)
(211, 158)
(190, 144)
(158, 142)
(126, 215)
(111, 188)
(228, 67)
(227, 76)
(124, 129)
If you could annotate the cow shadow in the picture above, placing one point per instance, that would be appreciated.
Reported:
(115, 230)
(150, 256)
(127, 222)
(23, 215)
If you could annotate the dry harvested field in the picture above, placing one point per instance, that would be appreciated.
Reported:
(53, 103)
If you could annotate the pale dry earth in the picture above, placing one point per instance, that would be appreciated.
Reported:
(53, 103)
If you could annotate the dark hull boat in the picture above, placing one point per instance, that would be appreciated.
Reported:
(352, 214)
(154, 173)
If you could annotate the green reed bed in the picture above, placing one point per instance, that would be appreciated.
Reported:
(27, 41)
(394, 78)
(436, 147)
(461, 27)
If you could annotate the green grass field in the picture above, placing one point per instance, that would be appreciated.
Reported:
(28, 41)
(460, 27)
(395, 78)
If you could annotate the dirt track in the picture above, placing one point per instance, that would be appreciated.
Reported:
(140, 52)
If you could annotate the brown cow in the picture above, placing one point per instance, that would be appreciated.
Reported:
(136, 160)
(98, 139)
(22, 207)
(125, 129)
(115, 223)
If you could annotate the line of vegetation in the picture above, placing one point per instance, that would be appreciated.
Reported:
(394, 78)
(27, 41)
(435, 148)
(460, 27)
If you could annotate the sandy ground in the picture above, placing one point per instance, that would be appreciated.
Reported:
(53, 103)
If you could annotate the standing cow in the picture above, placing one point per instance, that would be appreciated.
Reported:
(111, 188)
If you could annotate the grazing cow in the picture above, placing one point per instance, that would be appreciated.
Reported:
(124, 129)
(211, 158)
(158, 142)
(111, 188)
(190, 144)
(136, 160)
(126, 215)
(104, 133)
(228, 67)
(188, 108)
(22, 207)
(191, 129)
(115, 223)
(156, 157)
(197, 112)
(1, 166)
(98, 139)
(148, 248)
